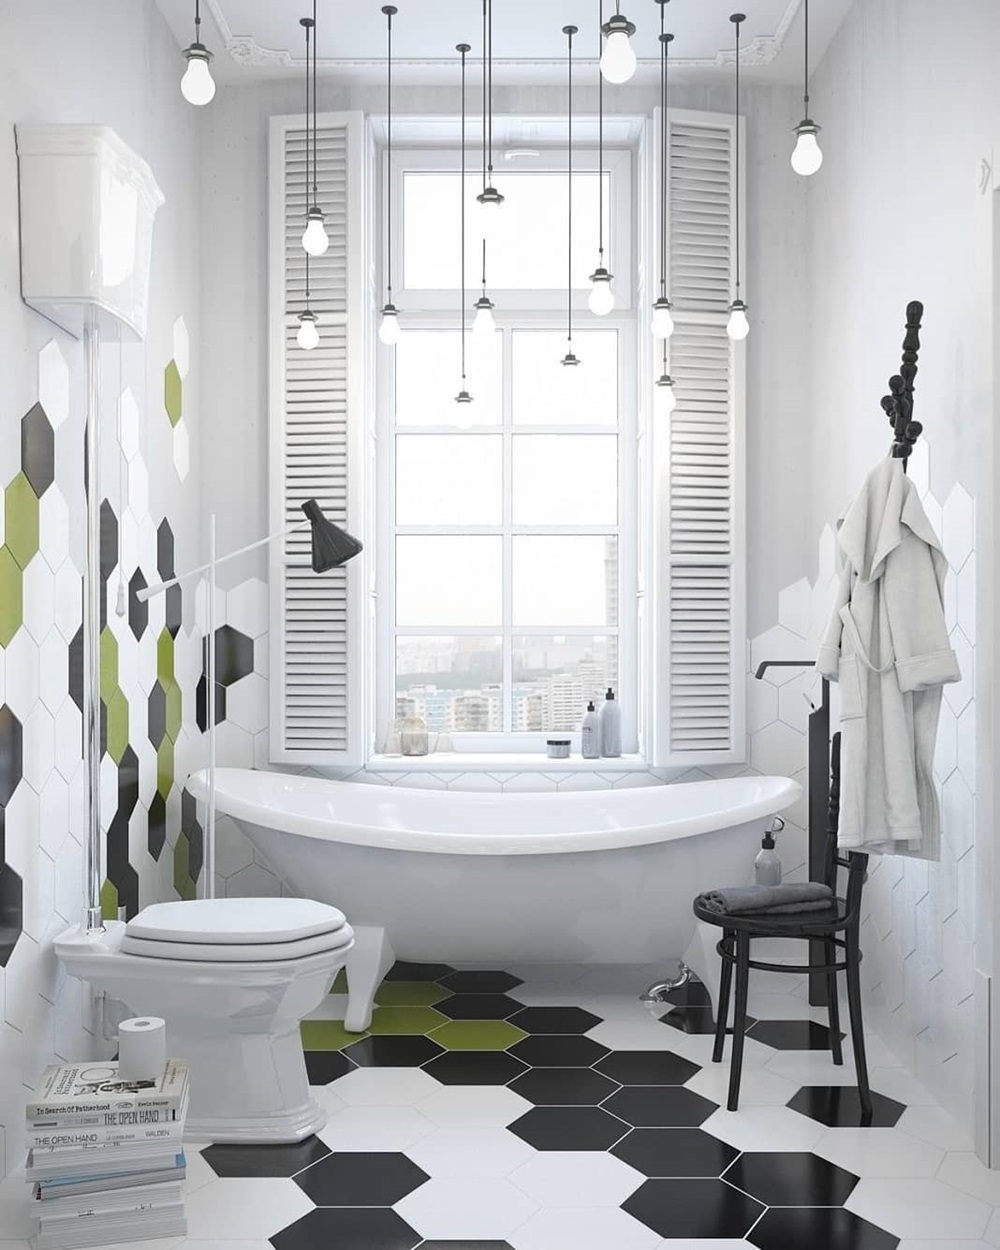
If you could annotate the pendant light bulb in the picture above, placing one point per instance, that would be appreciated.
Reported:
(483, 324)
(601, 299)
(618, 61)
(662, 324)
(197, 85)
(738, 326)
(308, 335)
(807, 156)
(389, 330)
(666, 395)
(315, 240)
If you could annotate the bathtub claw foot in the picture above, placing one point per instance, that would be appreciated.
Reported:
(658, 991)
(370, 959)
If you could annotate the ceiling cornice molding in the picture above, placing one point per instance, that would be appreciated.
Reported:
(244, 50)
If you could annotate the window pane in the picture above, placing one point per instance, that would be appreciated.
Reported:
(528, 241)
(569, 580)
(449, 479)
(448, 580)
(549, 393)
(555, 676)
(455, 684)
(565, 479)
(428, 369)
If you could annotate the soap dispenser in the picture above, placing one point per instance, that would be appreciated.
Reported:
(767, 865)
(611, 726)
(590, 734)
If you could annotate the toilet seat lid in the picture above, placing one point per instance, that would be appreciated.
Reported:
(235, 921)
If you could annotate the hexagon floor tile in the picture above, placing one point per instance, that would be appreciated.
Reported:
(526, 1134)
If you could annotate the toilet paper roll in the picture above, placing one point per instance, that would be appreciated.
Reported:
(142, 1049)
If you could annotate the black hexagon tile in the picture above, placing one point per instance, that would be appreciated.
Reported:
(404, 970)
(38, 450)
(108, 542)
(156, 714)
(647, 1067)
(324, 1066)
(201, 713)
(791, 1179)
(475, 982)
(791, 1034)
(156, 830)
(74, 665)
(564, 1087)
(659, 1106)
(819, 1229)
(570, 1050)
(11, 754)
(478, 1007)
(673, 1152)
(363, 1179)
(138, 609)
(347, 1228)
(569, 1128)
(275, 1160)
(694, 1209)
(839, 1106)
(165, 551)
(233, 655)
(554, 1020)
(392, 1051)
(475, 1067)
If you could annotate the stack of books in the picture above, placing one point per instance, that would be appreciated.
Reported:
(105, 1156)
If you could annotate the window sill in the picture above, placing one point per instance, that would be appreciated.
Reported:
(501, 762)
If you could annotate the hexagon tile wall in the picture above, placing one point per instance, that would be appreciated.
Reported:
(149, 662)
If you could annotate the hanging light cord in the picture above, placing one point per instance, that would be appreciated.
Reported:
(600, 139)
(737, 121)
(305, 23)
(197, 21)
(806, 59)
(490, 63)
(388, 11)
(663, 150)
(569, 191)
(485, 81)
(464, 48)
(315, 45)
(484, 268)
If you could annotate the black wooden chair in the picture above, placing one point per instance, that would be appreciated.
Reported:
(836, 928)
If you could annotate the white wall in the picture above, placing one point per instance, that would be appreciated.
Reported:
(910, 102)
(116, 64)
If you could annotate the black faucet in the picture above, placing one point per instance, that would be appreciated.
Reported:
(819, 801)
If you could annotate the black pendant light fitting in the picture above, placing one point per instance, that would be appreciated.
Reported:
(489, 198)
(463, 396)
(569, 359)
(807, 156)
(601, 299)
(738, 326)
(308, 334)
(389, 330)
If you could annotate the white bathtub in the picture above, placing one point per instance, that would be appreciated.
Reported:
(602, 876)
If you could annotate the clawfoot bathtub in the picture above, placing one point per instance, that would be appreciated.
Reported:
(603, 876)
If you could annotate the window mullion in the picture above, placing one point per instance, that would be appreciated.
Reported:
(508, 542)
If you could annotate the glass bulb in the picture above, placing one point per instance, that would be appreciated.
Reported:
(314, 238)
(807, 156)
(390, 329)
(197, 85)
(666, 397)
(483, 323)
(663, 322)
(601, 299)
(738, 327)
(308, 336)
(618, 60)
(489, 217)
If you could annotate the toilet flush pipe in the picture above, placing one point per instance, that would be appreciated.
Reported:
(93, 921)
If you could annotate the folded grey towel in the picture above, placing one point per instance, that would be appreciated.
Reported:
(739, 900)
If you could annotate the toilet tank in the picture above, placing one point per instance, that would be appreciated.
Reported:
(87, 204)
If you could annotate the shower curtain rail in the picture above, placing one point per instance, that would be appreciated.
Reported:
(898, 404)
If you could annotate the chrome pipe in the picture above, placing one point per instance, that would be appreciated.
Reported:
(93, 921)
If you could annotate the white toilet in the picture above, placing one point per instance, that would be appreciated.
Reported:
(232, 978)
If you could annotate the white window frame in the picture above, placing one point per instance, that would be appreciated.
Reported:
(522, 311)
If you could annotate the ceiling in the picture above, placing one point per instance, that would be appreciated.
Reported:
(252, 39)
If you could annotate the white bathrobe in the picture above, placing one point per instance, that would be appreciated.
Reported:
(888, 647)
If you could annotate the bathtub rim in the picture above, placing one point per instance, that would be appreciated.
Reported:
(786, 792)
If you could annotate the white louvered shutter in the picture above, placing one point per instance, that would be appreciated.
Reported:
(702, 577)
(316, 412)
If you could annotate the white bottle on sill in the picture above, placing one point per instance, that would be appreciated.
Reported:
(611, 727)
(590, 734)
